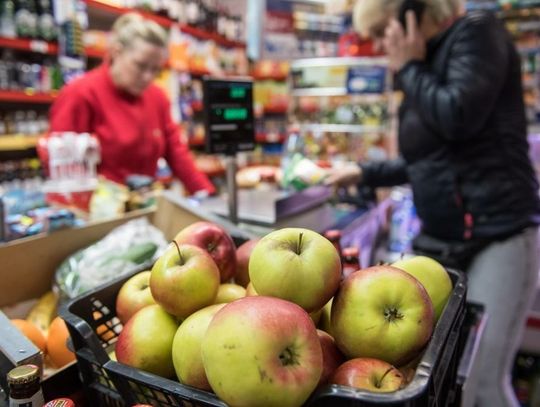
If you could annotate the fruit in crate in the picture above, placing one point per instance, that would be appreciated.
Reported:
(433, 276)
(369, 374)
(229, 292)
(332, 357)
(216, 241)
(57, 349)
(134, 295)
(31, 332)
(243, 253)
(146, 341)
(297, 265)
(262, 351)
(382, 312)
(42, 314)
(184, 279)
(186, 349)
(324, 321)
(250, 290)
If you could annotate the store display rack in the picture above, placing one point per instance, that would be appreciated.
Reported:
(105, 10)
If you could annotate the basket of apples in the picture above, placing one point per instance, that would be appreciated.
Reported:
(291, 332)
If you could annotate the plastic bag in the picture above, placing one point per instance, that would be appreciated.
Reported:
(126, 248)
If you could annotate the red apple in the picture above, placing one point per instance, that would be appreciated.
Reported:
(369, 374)
(184, 280)
(216, 241)
(384, 313)
(332, 357)
(134, 295)
(243, 254)
(262, 351)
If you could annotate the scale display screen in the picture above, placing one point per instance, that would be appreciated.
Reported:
(229, 122)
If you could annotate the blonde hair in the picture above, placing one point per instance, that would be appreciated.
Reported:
(128, 27)
(368, 13)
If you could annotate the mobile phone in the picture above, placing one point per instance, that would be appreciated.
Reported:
(417, 6)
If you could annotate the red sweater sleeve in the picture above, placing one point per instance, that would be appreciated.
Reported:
(180, 159)
(71, 111)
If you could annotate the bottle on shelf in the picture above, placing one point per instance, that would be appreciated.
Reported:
(351, 261)
(7, 19)
(26, 19)
(24, 387)
(47, 29)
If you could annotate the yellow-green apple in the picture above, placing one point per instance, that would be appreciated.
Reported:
(332, 357)
(146, 341)
(316, 316)
(216, 241)
(324, 321)
(369, 374)
(186, 348)
(296, 265)
(250, 290)
(433, 277)
(184, 280)
(243, 253)
(229, 292)
(134, 295)
(382, 312)
(262, 351)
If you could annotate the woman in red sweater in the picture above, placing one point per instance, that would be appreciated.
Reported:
(128, 113)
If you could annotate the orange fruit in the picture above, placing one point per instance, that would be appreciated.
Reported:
(32, 332)
(59, 353)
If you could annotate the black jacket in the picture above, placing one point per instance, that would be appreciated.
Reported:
(463, 135)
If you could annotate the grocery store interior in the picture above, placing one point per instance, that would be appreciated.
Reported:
(269, 203)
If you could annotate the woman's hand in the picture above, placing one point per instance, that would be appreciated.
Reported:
(348, 175)
(404, 47)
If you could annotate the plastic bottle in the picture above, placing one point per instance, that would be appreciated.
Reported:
(7, 19)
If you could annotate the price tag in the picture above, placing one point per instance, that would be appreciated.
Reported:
(39, 46)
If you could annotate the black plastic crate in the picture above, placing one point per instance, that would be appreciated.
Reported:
(109, 383)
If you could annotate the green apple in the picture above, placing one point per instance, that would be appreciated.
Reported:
(184, 280)
(186, 348)
(134, 295)
(324, 321)
(229, 292)
(296, 265)
(384, 313)
(250, 290)
(369, 374)
(433, 277)
(146, 341)
(262, 351)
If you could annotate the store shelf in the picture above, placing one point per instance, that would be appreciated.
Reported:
(17, 142)
(26, 97)
(272, 138)
(36, 46)
(275, 110)
(320, 92)
(340, 128)
(277, 78)
(164, 22)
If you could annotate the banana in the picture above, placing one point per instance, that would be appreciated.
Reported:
(42, 314)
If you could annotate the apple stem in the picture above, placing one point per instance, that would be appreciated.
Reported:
(299, 247)
(179, 252)
(379, 382)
